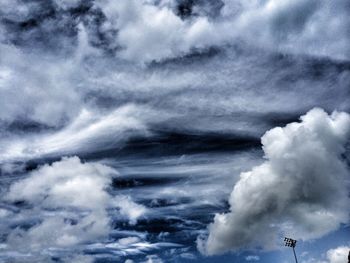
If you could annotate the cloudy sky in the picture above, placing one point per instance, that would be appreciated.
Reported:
(174, 130)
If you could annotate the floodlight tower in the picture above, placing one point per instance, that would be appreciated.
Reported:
(291, 243)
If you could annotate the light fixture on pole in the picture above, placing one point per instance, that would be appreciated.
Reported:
(291, 243)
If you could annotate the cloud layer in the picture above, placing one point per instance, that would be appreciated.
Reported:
(97, 88)
(301, 190)
(175, 94)
(150, 30)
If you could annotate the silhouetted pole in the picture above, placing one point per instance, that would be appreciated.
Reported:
(296, 260)
(349, 257)
(291, 243)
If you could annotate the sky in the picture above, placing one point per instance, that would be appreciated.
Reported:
(174, 130)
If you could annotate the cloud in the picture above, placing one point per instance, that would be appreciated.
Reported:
(299, 191)
(154, 30)
(338, 255)
(148, 32)
(66, 182)
(129, 209)
(252, 258)
(77, 192)
(46, 89)
(67, 4)
(32, 92)
(302, 26)
(153, 259)
(65, 88)
(334, 255)
(88, 131)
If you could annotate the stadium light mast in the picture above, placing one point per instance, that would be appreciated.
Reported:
(291, 243)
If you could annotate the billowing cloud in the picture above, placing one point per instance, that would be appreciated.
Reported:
(148, 30)
(334, 255)
(302, 26)
(300, 190)
(338, 255)
(78, 193)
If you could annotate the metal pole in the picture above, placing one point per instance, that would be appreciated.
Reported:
(296, 260)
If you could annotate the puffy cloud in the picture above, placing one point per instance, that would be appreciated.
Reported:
(307, 27)
(149, 32)
(334, 255)
(66, 182)
(300, 190)
(78, 193)
(338, 255)
(129, 209)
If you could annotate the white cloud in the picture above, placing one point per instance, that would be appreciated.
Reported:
(88, 131)
(335, 255)
(128, 208)
(62, 92)
(303, 26)
(252, 258)
(66, 4)
(79, 191)
(299, 191)
(149, 32)
(338, 255)
(128, 240)
(153, 259)
(66, 182)
(33, 91)
(64, 89)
